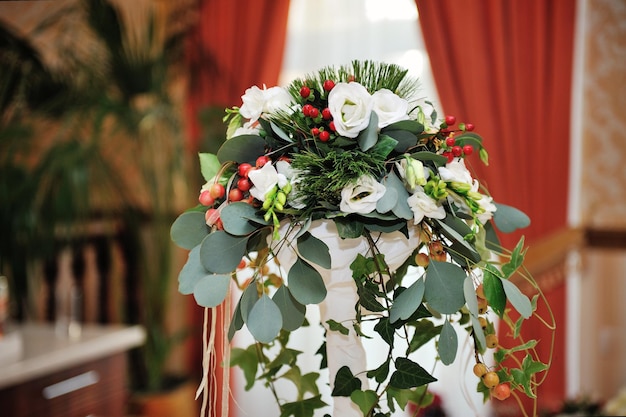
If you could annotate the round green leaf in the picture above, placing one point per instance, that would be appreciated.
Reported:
(236, 323)
(517, 299)
(508, 218)
(236, 218)
(369, 136)
(265, 320)
(191, 272)
(221, 252)
(444, 287)
(248, 299)
(211, 290)
(448, 343)
(305, 283)
(244, 148)
(407, 302)
(314, 250)
(189, 229)
(292, 311)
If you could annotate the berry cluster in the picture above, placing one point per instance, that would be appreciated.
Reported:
(489, 378)
(316, 114)
(453, 149)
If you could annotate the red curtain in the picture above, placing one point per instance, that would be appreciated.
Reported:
(235, 45)
(505, 66)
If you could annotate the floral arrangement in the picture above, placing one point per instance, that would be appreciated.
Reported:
(354, 148)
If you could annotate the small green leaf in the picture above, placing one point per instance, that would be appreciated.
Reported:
(444, 287)
(248, 361)
(409, 374)
(209, 165)
(509, 219)
(448, 343)
(334, 326)
(369, 136)
(189, 229)
(439, 160)
(494, 292)
(380, 374)
(454, 229)
(306, 283)
(265, 320)
(404, 139)
(425, 331)
(211, 290)
(314, 250)
(517, 259)
(517, 299)
(244, 148)
(385, 330)
(304, 408)
(411, 126)
(408, 302)
(292, 311)
(418, 396)
(365, 400)
(221, 252)
(345, 383)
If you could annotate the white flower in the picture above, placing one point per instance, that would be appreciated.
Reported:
(487, 209)
(389, 107)
(412, 172)
(257, 101)
(423, 205)
(351, 106)
(264, 180)
(248, 128)
(458, 172)
(361, 196)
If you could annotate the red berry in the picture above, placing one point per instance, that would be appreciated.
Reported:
(332, 127)
(306, 109)
(315, 131)
(450, 141)
(324, 136)
(450, 120)
(243, 184)
(217, 190)
(243, 169)
(448, 155)
(329, 85)
(457, 150)
(305, 91)
(468, 149)
(469, 127)
(326, 115)
(205, 198)
(262, 160)
(235, 194)
(314, 112)
(211, 216)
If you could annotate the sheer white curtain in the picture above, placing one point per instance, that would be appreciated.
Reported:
(335, 32)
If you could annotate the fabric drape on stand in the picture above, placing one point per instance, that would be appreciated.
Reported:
(235, 45)
(506, 66)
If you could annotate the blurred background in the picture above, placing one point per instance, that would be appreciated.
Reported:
(104, 105)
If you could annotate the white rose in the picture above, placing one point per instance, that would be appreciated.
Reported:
(257, 101)
(264, 180)
(423, 205)
(361, 196)
(389, 107)
(351, 106)
(253, 102)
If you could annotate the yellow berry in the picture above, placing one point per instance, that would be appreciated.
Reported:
(480, 369)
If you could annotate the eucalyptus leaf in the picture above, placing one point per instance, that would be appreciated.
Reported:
(411, 126)
(439, 160)
(404, 139)
(211, 290)
(221, 252)
(265, 320)
(235, 217)
(306, 283)
(292, 311)
(191, 272)
(508, 219)
(248, 299)
(448, 343)
(444, 287)
(369, 136)
(409, 374)
(450, 227)
(518, 300)
(280, 133)
(479, 333)
(189, 229)
(407, 302)
(209, 165)
(348, 228)
(470, 296)
(244, 148)
(314, 250)
(236, 322)
(387, 201)
(401, 209)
